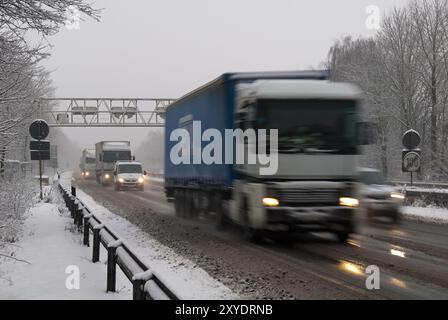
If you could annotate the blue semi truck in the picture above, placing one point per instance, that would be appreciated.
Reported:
(313, 185)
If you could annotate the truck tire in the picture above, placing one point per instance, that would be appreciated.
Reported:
(250, 234)
(396, 217)
(188, 204)
(182, 203)
(342, 236)
(221, 221)
(194, 204)
(177, 202)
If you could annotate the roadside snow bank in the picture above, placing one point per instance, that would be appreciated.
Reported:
(428, 214)
(186, 279)
(47, 247)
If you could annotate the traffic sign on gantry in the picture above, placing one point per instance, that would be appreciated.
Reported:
(104, 112)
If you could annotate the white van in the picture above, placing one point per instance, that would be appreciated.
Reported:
(128, 174)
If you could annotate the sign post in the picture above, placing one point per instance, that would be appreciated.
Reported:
(411, 156)
(39, 130)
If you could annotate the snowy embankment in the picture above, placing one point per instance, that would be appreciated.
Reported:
(428, 214)
(431, 213)
(41, 265)
(186, 279)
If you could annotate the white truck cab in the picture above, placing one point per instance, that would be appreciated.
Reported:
(128, 174)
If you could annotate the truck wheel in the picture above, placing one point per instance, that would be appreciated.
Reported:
(177, 202)
(249, 233)
(188, 203)
(283, 239)
(342, 236)
(194, 206)
(221, 221)
(396, 217)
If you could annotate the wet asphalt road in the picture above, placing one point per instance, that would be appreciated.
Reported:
(412, 257)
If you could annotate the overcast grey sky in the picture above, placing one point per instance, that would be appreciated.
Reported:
(164, 48)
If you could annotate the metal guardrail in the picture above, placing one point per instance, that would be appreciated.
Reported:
(146, 285)
(440, 185)
(425, 191)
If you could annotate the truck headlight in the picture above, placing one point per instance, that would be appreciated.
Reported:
(270, 202)
(87, 173)
(82, 173)
(348, 202)
(107, 176)
(140, 180)
(397, 195)
(121, 180)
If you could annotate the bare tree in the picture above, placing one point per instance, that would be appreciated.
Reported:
(43, 16)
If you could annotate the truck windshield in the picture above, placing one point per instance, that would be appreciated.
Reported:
(90, 160)
(112, 156)
(371, 177)
(130, 168)
(310, 125)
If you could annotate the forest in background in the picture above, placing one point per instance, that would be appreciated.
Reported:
(403, 71)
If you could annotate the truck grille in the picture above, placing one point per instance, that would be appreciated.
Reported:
(316, 196)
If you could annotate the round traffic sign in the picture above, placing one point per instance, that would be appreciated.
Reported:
(411, 139)
(39, 129)
(411, 161)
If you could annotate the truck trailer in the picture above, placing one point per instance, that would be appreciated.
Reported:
(87, 163)
(107, 153)
(313, 188)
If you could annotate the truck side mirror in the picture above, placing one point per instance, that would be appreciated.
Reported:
(115, 172)
(133, 158)
(145, 173)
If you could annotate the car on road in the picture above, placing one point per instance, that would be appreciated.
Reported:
(378, 198)
(128, 174)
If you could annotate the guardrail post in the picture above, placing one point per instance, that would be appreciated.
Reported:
(73, 191)
(96, 243)
(111, 268)
(138, 284)
(72, 206)
(138, 293)
(79, 216)
(86, 218)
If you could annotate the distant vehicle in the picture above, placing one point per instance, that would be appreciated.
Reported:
(314, 187)
(107, 153)
(377, 197)
(129, 175)
(87, 163)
